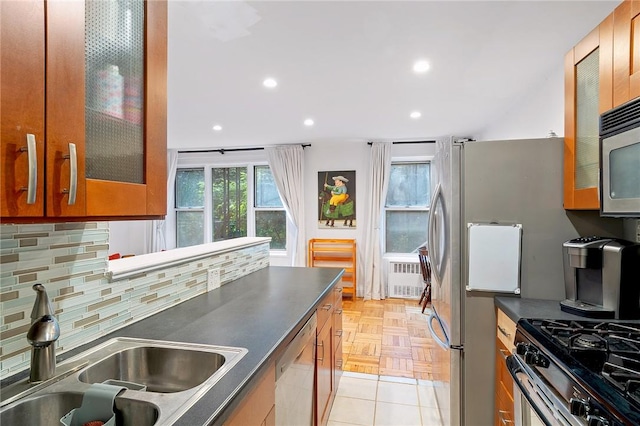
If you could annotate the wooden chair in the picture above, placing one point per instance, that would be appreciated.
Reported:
(425, 267)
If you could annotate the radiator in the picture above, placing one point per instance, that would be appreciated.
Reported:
(404, 278)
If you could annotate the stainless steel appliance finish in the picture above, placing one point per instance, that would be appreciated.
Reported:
(295, 378)
(601, 278)
(516, 181)
(620, 161)
(577, 372)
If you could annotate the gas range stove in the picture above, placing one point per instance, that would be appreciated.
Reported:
(591, 369)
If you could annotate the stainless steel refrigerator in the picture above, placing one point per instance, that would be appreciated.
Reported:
(503, 182)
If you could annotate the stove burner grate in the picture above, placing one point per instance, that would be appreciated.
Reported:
(620, 370)
(633, 390)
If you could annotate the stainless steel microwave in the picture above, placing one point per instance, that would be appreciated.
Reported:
(620, 161)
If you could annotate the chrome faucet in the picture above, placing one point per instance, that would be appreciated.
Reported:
(42, 334)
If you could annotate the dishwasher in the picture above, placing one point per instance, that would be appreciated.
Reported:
(295, 378)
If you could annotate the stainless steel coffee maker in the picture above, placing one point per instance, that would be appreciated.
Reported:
(602, 278)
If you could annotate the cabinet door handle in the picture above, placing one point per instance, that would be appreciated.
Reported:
(73, 174)
(338, 333)
(504, 421)
(504, 331)
(338, 311)
(504, 353)
(327, 307)
(32, 184)
(321, 344)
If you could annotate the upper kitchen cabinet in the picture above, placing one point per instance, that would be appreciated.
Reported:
(588, 93)
(84, 111)
(626, 56)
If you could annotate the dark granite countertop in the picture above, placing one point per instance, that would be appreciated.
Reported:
(260, 312)
(517, 308)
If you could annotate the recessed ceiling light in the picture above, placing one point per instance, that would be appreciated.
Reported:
(217, 127)
(415, 114)
(270, 83)
(308, 122)
(421, 66)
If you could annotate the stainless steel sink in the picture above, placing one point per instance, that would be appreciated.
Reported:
(160, 369)
(47, 409)
(175, 374)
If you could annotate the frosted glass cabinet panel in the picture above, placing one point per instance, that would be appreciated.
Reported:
(114, 53)
(587, 116)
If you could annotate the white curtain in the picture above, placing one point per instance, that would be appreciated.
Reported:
(157, 231)
(372, 250)
(287, 163)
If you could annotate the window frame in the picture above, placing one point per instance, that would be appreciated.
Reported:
(208, 166)
(385, 209)
(255, 208)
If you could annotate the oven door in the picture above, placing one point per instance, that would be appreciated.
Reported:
(534, 403)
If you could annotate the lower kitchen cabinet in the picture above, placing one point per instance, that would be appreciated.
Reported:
(505, 333)
(504, 413)
(337, 336)
(324, 373)
(258, 407)
(328, 353)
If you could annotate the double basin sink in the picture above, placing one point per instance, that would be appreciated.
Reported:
(162, 379)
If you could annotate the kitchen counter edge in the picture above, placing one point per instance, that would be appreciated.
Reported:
(261, 312)
(517, 308)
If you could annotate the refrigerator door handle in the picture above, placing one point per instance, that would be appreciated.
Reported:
(442, 344)
(431, 243)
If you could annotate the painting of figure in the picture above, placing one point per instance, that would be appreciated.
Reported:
(337, 199)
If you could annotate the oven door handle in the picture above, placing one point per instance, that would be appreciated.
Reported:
(514, 369)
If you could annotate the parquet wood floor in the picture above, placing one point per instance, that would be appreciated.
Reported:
(386, 337)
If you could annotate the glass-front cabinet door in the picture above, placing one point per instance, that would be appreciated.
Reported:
(125, 107)
(588, 93)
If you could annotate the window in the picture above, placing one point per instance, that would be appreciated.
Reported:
(271, 218)
(407, 206)
(239, 202)
(229, 197)
(189, 207)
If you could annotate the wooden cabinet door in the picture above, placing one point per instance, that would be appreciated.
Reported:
(324, 373)
(626, 42)
(504, 407)
(65, 87)
(588, 70)
(22, 68)
(337, 337)
(257, 408)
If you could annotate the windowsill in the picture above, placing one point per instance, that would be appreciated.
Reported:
(124, 268)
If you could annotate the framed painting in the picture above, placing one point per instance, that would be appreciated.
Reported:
(337, 199)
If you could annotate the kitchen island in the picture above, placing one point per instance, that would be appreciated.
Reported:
(261, 312)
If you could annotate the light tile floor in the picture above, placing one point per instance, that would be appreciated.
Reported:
(371, 400)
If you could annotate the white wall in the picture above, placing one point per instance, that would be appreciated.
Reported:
(540, 110)
(347, 155)
(128, 237)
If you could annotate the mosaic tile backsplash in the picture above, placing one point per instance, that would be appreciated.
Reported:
(70, 260)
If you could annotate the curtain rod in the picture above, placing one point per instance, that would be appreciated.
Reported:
(405, 142)
(223, 150)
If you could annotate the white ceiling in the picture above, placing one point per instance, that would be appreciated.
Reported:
(348, 65)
